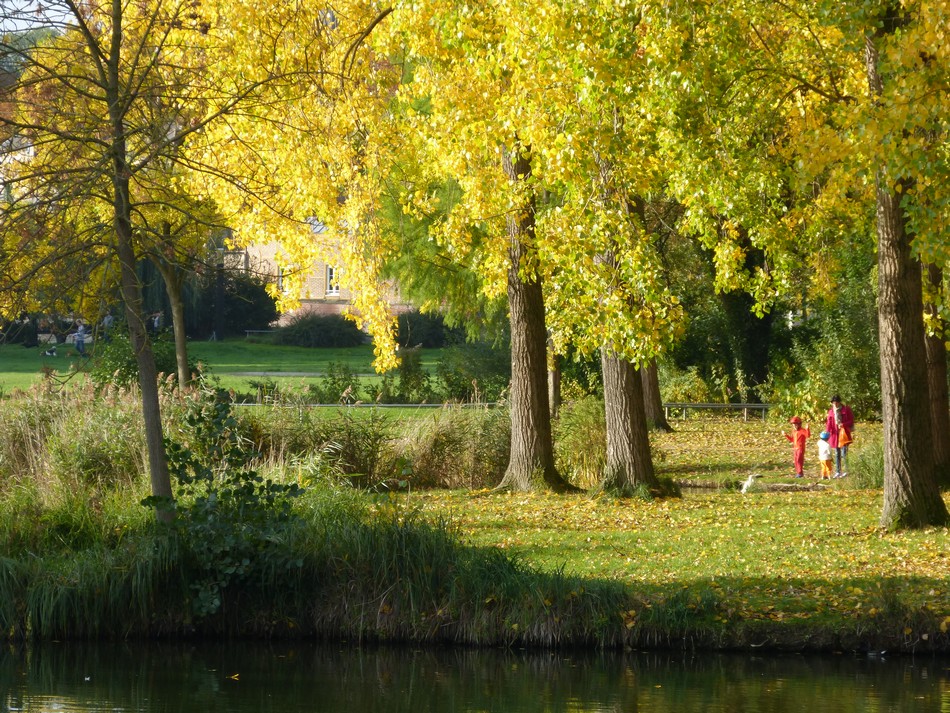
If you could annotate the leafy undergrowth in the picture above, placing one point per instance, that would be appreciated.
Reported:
(813, 560)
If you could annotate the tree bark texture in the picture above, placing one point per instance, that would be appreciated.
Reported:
(652, 400)
(173, 288)
(554, 384)
(629, 463)
(144, 357)
(937, 382)
(531, 464)
(911, 497)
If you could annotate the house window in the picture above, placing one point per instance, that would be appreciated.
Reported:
(333, 287)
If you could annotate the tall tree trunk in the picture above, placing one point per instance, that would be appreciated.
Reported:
(142, 348)
(911, 496)
(129, 284)
(531, 463)
(629, 464)
(173, 288)
(937, 379)
(652, 401)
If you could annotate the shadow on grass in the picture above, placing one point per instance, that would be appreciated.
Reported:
(900, 614)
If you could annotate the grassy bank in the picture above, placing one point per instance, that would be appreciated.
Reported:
(538, 571)
(803, 569)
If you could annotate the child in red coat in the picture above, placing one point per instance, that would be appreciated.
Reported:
(797, 437)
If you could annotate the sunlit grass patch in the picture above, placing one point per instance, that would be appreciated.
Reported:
(781, 555)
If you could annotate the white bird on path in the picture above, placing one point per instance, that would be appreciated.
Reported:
(750, 481)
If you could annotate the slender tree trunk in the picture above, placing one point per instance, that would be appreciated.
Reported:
(652, 401)
(911, 496)
(554, 383)
(142, 348)
(173, 288)
(937, 379)
(129, 284)
(531, 463)
(629, 463)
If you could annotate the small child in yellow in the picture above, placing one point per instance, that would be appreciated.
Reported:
(825, 455)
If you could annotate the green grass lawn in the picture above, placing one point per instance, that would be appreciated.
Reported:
(816, 556)
(21, 367)
(234, 362)
(239, 357)
(813, 557)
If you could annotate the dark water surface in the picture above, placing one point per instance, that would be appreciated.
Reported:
(246, 677)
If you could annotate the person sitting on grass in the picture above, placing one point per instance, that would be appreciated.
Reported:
(797, 438)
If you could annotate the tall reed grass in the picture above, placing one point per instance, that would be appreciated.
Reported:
(455, 447)
(866, 463)
(83, 558)
(344, 574)
(581, 441)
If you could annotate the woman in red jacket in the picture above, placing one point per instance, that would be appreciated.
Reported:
(840, 427)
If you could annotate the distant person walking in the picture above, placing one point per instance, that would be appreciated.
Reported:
(107, 323)
(840, 427)
(797, 437)
(80, 337)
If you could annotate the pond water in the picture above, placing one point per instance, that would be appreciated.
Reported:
(246, 677)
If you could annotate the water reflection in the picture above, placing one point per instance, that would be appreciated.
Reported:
(249, 677)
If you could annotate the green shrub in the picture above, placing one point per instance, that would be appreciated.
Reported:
(414, 385)
(834, 349)
(474, 372)
(340, 385)
(417, 329)
(319, 331)
(245, 304)
(580, 438)
(409, 384)
(228, 516)
(684, 385)
(114, 363)
(384, 391)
